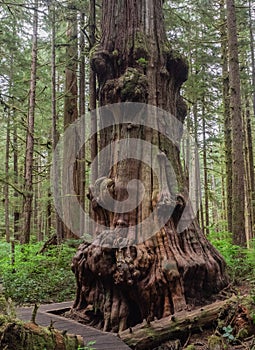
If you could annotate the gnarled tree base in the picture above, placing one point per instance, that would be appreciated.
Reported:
(118, 288)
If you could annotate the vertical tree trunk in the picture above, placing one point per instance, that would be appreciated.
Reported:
(93, 104)
(215, 215)
(201, 216)
(6, 186)
(227, 119)
(253, 102)
(130, 273)
(55, 133)
(28, 187)
(82, 163)
(16, 214)
(205, 167)
(70, 116)
(238, 195)
(252, 55)
(48, 219)
(92, 94)
(249, 172)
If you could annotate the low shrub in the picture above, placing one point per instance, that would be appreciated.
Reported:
(35, 277)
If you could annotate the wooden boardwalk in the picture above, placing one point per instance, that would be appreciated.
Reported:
(44, 317)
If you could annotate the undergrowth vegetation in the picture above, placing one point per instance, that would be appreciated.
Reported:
(29, 276)
(240, 261)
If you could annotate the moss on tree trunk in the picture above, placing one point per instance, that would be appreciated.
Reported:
(16, 335)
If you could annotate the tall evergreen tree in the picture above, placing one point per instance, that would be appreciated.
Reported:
(238, 185)
(28, 186)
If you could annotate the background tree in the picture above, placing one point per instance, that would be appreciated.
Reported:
(238, 189)
(28, 186)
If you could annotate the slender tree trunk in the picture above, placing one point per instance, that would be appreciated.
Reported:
(205, 166)
(48, 220)
(28, 188)
(16, 214)
(82, 163)
(214, 204)
(70, 116)
(224, 226)
(252, 55)
(36, 195)
(227, 118)
(253, 104)
(6, 186)
(92, 106)
(197, 169)
(249, 167)
(55, 132)
(7, 158)
(92, 94)
(128, 273)
(238, 188)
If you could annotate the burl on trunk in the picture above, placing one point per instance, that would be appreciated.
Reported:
(129, 273)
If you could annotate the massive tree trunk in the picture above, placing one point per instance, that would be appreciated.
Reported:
(126, 274)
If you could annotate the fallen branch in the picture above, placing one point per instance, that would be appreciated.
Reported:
(148, 336)
(15, 334)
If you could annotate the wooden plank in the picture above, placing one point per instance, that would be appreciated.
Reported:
(44, 318)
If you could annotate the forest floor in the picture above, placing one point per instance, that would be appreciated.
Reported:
(234, 330)
(22, 283)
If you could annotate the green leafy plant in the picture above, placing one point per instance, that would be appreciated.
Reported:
(142, 61)
(240, 261)
(35, 277)
(228, 333)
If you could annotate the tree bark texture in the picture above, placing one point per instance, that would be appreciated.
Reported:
(227, 118)
(252, 54)
(70, 116)
(92, 94)
(118, 287)
(238, 172)
(16, 214)
(55, 133)
(28, 188)
(249, 173)
(6, 186)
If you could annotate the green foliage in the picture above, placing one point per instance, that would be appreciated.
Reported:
(142, 61)
(89, 346)
(37, 277)
(240, 261)
(228, 333)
